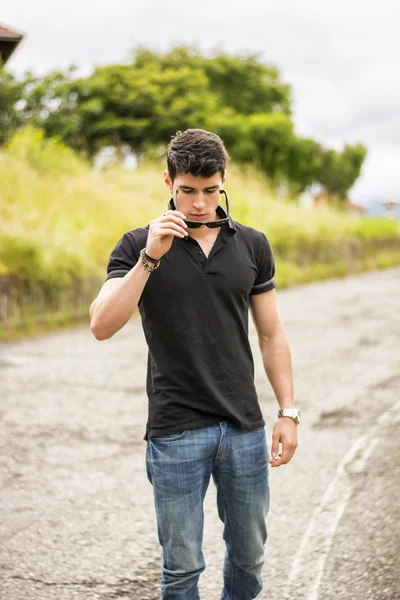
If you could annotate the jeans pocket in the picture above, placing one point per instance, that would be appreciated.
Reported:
(169, 438)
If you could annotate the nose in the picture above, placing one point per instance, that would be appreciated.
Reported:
(199, 202)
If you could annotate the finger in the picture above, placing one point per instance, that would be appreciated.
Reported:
(174, 213)
(170, 219)
(275, 444)
(167, 231)
(284, 457)
(170, 225)
(161, 222)
(275, 462)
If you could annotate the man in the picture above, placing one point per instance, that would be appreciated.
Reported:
(194, 273)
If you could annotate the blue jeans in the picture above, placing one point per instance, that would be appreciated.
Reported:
(179, 467)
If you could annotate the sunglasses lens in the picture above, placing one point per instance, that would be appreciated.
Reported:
(193, 224)
(212, 224)
(218, 223)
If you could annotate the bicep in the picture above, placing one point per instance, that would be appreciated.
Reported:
(264, 313)
(107, 286)
(110, 284)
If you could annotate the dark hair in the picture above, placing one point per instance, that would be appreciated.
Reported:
(198, 152)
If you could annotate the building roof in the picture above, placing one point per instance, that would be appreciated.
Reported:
(354, 206)
(9, 40)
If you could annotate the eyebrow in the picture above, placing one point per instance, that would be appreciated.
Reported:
(188, 187)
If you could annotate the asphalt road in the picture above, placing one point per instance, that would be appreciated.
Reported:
(77, 516)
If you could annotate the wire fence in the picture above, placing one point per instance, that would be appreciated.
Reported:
(23, 301)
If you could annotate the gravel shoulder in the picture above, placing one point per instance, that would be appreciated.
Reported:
(77, 509)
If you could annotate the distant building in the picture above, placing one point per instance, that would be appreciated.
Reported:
(320, 199)
(354, 209)
(9, 40)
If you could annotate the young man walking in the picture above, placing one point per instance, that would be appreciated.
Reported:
(194, 273)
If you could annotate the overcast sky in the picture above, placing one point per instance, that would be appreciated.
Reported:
(341, 58)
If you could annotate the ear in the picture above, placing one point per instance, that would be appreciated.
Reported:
(168, 181)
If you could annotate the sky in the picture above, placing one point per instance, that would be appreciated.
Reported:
(340, 58)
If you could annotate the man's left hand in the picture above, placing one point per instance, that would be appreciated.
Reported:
(284, 434)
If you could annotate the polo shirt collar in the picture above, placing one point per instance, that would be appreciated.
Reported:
(221, 213)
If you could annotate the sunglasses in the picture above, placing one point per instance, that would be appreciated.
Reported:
(210, 224)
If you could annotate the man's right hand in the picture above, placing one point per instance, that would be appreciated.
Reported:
(162, 231)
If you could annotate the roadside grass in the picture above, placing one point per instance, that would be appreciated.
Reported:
(60, 219)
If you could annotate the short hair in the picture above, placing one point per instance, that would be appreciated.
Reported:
(198, 152)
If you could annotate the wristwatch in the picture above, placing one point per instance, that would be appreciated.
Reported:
(293, 413)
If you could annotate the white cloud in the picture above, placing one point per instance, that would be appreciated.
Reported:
(341, 58)
(380, 179)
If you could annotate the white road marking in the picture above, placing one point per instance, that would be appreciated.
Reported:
(309, 563)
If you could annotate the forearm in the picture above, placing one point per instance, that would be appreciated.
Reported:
(113, 307)
(277, 363)
(112, 310)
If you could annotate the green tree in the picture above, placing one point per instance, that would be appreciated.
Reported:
(10, 94)
(51, 103)
(260, 139)
(119, 104)
(338, 171)
(304, 162)
(244, 83)
(142, 104)
(147, 101)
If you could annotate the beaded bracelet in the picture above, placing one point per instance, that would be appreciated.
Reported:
(150, 264)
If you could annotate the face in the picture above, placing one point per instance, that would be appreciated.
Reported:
(196, 197)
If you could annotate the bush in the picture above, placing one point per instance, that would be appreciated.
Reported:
(48, 156)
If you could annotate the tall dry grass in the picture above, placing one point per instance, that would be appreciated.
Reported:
(59, 218)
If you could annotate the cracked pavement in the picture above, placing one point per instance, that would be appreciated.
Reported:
(77, 514)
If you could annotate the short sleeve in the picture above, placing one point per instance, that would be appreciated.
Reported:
(123, 258)
(266, 268)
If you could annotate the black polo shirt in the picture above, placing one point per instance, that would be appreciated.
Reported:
(195, 315)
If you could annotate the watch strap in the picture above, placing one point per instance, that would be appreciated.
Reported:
(293, 413)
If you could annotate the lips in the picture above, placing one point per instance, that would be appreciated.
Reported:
(195, 216)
